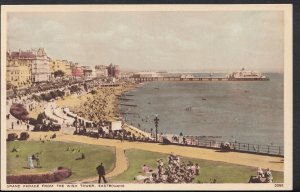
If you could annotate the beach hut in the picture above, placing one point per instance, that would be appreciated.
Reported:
(116, 125)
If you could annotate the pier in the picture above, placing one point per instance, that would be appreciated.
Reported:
(146, 79)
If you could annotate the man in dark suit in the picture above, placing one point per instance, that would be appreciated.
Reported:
(101, 173)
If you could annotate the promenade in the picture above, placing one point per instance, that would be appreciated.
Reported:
(121, 165)
(253, 160)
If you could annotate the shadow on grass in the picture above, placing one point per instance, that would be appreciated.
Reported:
(32, 168)
(221, 151)
(276, 161)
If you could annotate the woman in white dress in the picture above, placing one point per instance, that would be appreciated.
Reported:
(30, 162)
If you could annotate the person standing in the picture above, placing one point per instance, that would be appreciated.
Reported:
(37, 159)
(269, 177)
(30, 162)
(12, 125)
(101, 173)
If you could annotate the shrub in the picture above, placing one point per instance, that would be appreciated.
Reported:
(74, 89)
(32, 121)
(43, 95)
(24, 136)
(53, 94)
(47, 97)
(40, 118)
(27, 179)
(19, 111)
(36, 97)
(12, 137)
(58, 175)
(60, 93)
(62, 173)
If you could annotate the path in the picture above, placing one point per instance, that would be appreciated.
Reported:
(120, 166)
(253, 160)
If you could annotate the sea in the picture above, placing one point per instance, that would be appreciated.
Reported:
(245, 112)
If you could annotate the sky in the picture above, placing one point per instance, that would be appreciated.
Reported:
(200, 41)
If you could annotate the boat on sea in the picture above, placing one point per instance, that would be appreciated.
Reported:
(244, 75)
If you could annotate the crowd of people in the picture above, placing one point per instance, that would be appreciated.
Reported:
(262, 176)
(121, 135)
(266, 176)
(173, 171)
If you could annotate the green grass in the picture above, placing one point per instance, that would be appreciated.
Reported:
(222, 172)
(55, 154)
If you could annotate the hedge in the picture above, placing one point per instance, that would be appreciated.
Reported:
(58, 175)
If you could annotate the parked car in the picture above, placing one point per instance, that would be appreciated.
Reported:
(55, 127)
(37, 127)
(24, 136)
(12, 137)
(49, 127)
(92, 134)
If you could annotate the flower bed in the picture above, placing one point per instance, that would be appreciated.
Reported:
(57, 175)
(19, 111)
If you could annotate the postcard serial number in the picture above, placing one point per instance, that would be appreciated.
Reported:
(278, 184)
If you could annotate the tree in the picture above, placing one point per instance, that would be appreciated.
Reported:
(9, 85)
(59, 73)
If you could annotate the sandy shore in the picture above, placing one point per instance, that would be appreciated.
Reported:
(103, 105)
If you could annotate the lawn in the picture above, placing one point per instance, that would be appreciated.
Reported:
(54, 154)
(222, 172)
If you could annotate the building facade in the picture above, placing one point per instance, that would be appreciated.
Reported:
(113, 70)
(61, 65)
(68, 71)
(36, 60)
(40, 67)
(87, 72)
(76, 71)
(56, 65)
(101, 71)
(18, 74)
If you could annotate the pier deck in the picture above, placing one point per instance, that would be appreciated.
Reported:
(144, 79)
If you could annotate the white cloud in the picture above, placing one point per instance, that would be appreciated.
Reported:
(162, 40)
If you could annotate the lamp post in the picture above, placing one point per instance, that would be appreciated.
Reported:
(76, 124)
(156, 120)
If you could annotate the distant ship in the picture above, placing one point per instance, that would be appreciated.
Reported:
(244, 75)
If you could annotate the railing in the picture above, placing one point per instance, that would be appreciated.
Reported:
(234, 146)
(192, 141)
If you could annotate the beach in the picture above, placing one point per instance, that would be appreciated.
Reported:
(102, 105)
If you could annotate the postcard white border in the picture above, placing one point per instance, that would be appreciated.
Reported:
(288, 89)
